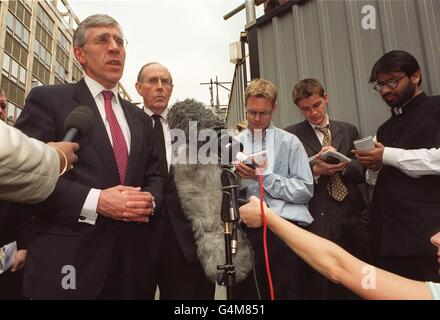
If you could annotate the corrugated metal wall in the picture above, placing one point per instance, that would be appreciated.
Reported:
(326, 40)
(235, 105)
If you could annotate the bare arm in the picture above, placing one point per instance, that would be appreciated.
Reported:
(334, 262)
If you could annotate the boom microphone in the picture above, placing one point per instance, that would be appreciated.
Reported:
(200, 190)
(78, 123)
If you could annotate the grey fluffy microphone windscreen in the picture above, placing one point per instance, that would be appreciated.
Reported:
(199, 188)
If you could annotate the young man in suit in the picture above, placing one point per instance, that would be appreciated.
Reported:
(336, 198)
(180, 274)
(95, 236)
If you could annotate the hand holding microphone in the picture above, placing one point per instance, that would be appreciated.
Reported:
(66, 152)
(77, 124)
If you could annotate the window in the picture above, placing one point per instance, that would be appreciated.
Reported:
(15, 92)
(77, 71)
(28, 4)
(12, 113)
(17, 112)
(22, 74)
(25, 37)
(6, 63)
(60, 71)
(44, 19)
(11, 109)
(14, 71)
(17, 30)
(63, 42)
(42, 53)
(10, 21)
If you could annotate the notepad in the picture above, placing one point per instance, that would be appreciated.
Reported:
(7, 256)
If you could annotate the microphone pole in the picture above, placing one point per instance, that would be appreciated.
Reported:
(230, 216)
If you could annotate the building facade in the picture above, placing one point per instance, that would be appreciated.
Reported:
(36, 49)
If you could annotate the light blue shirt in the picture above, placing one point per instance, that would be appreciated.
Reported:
(287, 180)
(435, 290)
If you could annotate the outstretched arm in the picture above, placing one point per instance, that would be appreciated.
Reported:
(334, 262)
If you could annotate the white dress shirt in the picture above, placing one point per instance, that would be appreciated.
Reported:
(88, 211)
(414, 163)
(318, 133)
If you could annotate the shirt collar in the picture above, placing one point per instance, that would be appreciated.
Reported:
(164, 114)
(96, 88)
(413, 101)
(326, 123)
(250, 134)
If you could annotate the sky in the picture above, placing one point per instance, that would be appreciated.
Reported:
(189, 37)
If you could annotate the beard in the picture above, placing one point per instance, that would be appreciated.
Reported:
(399, 99)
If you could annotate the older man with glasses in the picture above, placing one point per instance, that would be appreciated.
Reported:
(288, 187)
(405, 209)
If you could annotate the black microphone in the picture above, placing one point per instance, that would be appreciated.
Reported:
(78, 123)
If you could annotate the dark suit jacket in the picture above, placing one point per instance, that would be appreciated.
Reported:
(330, 215)
(60, 240)
(15, 225)
(172, 209)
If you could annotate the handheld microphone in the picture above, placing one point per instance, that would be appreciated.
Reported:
(78, 123)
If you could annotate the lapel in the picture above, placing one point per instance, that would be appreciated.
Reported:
(336, 133)
(309, 137)
(135, 126)
(98, 135)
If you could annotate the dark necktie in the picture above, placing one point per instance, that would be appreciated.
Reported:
(120, 149)
(159, 141)
(336, 189)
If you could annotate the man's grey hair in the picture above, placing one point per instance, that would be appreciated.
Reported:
(93, 21)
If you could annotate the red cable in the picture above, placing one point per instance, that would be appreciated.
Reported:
(266, 255)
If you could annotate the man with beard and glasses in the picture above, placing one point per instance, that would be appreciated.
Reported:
(405, 209)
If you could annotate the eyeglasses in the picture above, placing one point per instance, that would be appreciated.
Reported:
(105, 39)
(253, 114)
(392, 84)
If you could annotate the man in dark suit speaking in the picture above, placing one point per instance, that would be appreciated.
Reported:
(95, 235)
(336, 198)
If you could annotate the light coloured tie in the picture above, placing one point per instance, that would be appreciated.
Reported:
(336, 188)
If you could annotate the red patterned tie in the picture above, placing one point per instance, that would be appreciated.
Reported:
(119, 145)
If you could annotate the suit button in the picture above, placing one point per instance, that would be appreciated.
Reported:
(322, 213)
(82, 218)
